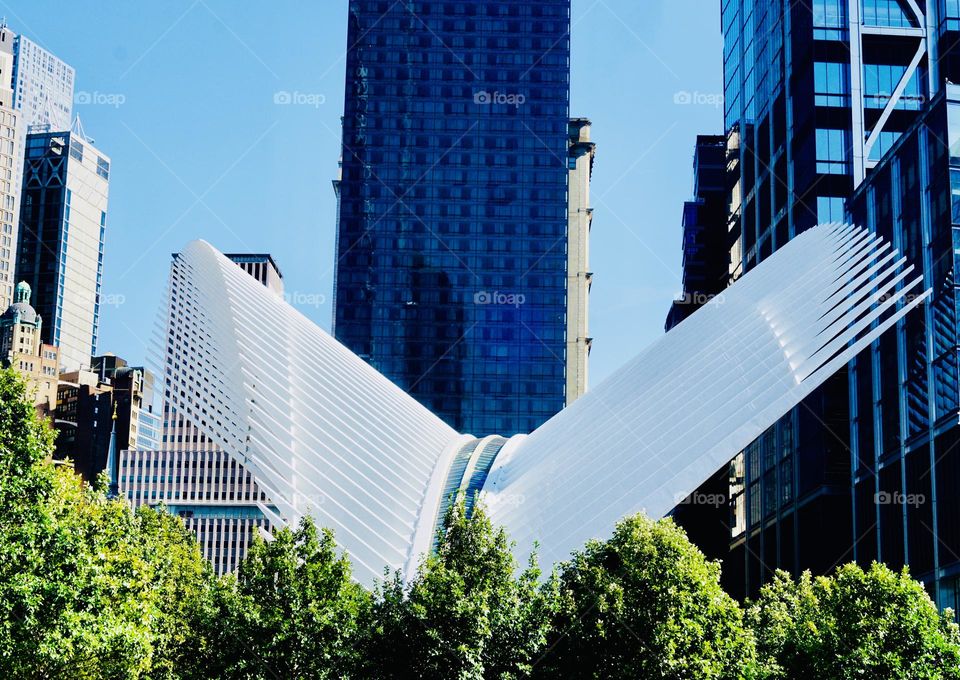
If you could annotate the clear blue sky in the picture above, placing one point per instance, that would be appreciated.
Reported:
(181, 95)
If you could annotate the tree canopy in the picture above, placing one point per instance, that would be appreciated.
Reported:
(854, 624)
(92, 589)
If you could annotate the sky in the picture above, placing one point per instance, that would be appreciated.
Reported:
(222, 117)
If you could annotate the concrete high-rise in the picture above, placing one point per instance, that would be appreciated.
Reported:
(579, 277)
(451, 271)
(12, 129)
(261, 267)
(63, 217)
(43, 87)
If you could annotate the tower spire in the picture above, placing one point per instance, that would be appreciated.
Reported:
(112, 462)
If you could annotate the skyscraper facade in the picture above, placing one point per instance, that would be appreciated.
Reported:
(706, 257)
(43, 87)
(904, 394)
(11, 168)
(579, 277)
(814, 95)
(451, 274)
(63, 217)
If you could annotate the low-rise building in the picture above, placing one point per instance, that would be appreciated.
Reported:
(22, 349)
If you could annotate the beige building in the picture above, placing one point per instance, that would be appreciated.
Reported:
(22, 349)
(581, 152)
(11, 168)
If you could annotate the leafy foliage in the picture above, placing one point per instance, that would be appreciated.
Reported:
(466, 614)
(646, 604)
(90, 589)
(854, 624)
(293, 611)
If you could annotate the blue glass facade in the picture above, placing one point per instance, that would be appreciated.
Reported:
(451, 251)
(904, 389)
(807, 87)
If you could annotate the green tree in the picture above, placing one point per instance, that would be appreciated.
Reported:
(646, 604)
(88, 589)
(293, 611)
(854, 624)
(467, 613)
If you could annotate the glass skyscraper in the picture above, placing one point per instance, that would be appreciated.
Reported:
(452, 225)
(63, 217)
(818, 97)
(904, 397)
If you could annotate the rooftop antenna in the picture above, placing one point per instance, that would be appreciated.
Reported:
(77, 129)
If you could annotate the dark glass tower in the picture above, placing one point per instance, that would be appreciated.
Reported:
(815, 94)
(904, 393)
(451, 250)
(706, 254)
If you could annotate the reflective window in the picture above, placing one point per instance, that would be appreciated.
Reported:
(833, 151)
(950, 14)
(953, 131)
(879, 82)
(955, 195)
(829, 19)
(887, 13)
(831, 83)
(829, 209)
(885, 140)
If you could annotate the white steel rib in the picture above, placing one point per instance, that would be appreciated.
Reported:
(325, 434)
(689, 403)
